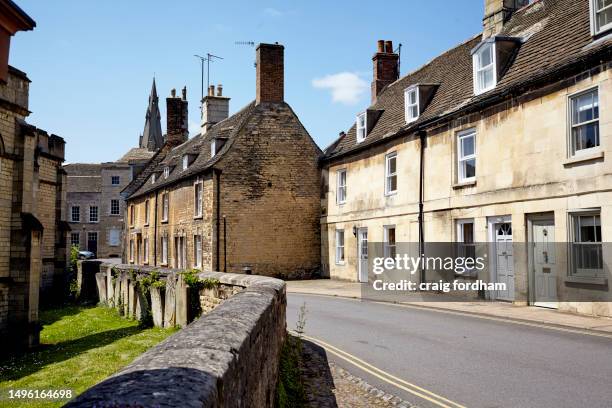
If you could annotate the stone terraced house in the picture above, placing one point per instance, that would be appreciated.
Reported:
(94, 206)
(504, 139)
(243, 195)
(32, 193)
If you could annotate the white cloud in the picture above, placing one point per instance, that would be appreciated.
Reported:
(272, 12)
(346, 87)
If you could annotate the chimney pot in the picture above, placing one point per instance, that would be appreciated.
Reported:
(270, 77)
(219, 90)
(184, 93)
(211, 90)
(173, 93)
(389, 47)
(381, 46)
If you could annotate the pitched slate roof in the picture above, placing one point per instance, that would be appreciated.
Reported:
(198, 146)
(556, 35)
(83, 169)
(136, 154)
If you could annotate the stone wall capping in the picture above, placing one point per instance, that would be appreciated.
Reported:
(208, 363)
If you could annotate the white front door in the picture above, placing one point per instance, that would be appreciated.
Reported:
(544, 268)
(504, 259)
(362, 254)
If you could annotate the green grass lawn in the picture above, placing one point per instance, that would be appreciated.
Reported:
(80, 346)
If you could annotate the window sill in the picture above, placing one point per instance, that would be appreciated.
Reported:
(464, 184)
(582, 158)
(163, 264)
(391, 194)
(587, 280)
(340, 263)
(198, 217)
(341, 204)
(164, 221)
(145, 225)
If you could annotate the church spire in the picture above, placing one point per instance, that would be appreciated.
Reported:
(151, 138)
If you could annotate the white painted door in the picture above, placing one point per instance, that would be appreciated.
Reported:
(504, 259)
(362, 254)
(544, 268)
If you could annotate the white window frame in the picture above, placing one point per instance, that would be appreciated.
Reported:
(595, 29)
(114, 200)
(132, 214)
(574, 239)
(213, 147)
(414, 89)
(463, 248)
(461, 159)
(78, 239)
(198, 199)
(389, 175)
(145, 251)
(92, 234)
(146, 209)
(153, 178)
(118, 178)
(477, 69)
(165, 207)
(93, 219)
(571, 125)
(131, 250)
(164, 250)
(341, 188)
(78, 213)
(117, 242)
(361, 130)
(185, 162)
(388, 245)
(340, 249)
(166, 172)
(197, 251)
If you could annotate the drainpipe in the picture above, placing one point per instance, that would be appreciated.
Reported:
(422, 135)
(155, 231)
(224, 245)
(217, 173)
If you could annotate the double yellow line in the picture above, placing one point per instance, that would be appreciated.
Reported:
(384, 376)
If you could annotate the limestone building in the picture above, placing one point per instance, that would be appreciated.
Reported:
(503, 139)
(243, 194)
(94, 206)
(32, 196)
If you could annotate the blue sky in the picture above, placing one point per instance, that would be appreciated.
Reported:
(92, 63)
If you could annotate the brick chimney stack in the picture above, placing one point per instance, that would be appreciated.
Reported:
(215, 108)
(177, 129)
(497, 12)
(270, 73)
(386, 67)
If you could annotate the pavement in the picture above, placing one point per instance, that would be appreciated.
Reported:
(486, 309)
(434, 357)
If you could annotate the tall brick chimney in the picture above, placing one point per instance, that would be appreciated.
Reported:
(497, 12)
(270, 73)
(215, 108)
(177, 128)
(386, 67)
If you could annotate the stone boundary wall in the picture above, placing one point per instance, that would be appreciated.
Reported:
(229, 357)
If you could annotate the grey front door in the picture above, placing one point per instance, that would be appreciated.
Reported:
(362, 254)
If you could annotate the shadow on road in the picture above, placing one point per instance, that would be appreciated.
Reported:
(317, 377)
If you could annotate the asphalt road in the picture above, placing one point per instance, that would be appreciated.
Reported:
(466, 360)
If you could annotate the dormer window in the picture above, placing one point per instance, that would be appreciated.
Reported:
(185, 162)
(601, 15)
(166, 172)
(153, 179)
(485, 77)
(411, 102)
(361, 127)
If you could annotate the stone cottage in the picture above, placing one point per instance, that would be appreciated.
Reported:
(502, 140)
(243, 195)
(32, 196)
